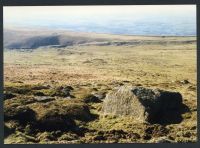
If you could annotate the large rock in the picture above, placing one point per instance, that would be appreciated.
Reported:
(151, 105)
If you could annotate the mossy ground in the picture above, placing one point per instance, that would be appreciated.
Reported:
(31, 75)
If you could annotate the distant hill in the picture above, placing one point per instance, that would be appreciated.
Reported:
(32, 39)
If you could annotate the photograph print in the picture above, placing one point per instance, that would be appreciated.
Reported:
(100, 74)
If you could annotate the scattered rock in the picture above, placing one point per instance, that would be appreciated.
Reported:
(182, 82)
(44, 99)
(70, 97)
(100, 95)
(185, 82)
(151, 105)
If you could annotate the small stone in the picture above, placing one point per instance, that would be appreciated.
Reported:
(44, 99)
(100, 95)
(185, 82)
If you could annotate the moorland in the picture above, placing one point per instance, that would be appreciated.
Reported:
(55, 84)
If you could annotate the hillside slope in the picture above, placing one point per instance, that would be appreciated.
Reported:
(31, 39)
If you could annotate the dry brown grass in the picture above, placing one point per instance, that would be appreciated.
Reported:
(104, 67)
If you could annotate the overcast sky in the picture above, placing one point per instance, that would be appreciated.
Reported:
(97, 16)
(38, 12)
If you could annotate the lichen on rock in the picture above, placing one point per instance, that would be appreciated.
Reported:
(151, 105)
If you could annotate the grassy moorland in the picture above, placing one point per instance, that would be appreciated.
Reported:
(49, 90)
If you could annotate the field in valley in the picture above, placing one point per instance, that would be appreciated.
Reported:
(46, 81)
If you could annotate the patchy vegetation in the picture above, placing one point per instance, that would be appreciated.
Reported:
(70, 94)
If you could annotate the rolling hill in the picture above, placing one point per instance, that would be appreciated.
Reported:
(32, 39)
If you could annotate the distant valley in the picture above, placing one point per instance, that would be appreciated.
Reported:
(32, 39)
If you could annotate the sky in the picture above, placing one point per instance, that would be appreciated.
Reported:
(101, 18)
